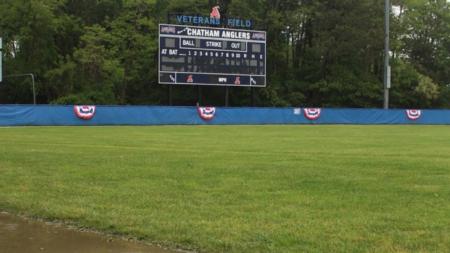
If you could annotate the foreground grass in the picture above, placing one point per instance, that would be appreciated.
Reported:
(239, 188)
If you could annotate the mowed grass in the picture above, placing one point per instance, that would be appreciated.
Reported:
(238, 188)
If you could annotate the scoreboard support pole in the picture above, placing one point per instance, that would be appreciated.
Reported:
(252, 96)
(169, 95)
(227, 96)
(199, 94)
(1, 54)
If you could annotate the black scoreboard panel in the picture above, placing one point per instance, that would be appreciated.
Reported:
(193, 55)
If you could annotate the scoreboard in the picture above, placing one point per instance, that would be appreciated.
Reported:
(195, 55)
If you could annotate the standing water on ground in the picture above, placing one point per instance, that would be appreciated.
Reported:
(18, 235)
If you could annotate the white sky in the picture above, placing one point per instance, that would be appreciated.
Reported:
(396, 9)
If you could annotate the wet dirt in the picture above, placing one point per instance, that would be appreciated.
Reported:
(20, 235)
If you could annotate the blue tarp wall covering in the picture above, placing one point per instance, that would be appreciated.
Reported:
(46, 115)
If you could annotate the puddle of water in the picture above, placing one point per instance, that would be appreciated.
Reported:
(19, 235)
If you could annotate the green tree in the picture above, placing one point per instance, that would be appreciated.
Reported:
(28, 29)
(98, 72)
(320, 53)
(421, 50)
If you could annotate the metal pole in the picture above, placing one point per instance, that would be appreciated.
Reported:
(34, 90)
(169, 94)
(199, 94)
(32, 83)
(227, 96)
(252, 96)
(387, 68)
(1, 60)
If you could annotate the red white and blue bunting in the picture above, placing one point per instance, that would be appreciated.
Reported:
(85, 112)
(312, 113)
(413, 114)
(206, 113)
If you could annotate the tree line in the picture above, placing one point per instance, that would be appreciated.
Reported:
(325, 53)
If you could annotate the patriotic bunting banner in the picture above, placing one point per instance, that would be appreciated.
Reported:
(312, 113)
(206, 113)
(85, 112)
(413, 114)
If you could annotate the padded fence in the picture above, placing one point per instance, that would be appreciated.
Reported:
(46, 115)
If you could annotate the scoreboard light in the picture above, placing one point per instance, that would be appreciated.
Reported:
(192, 55)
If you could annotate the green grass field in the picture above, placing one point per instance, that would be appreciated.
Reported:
(238, 188)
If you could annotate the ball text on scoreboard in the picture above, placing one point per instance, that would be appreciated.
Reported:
(193, 55)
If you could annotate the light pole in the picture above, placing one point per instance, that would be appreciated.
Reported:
(32, 83)
(387, 67)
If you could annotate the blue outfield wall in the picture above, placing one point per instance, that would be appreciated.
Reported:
(47, 115)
